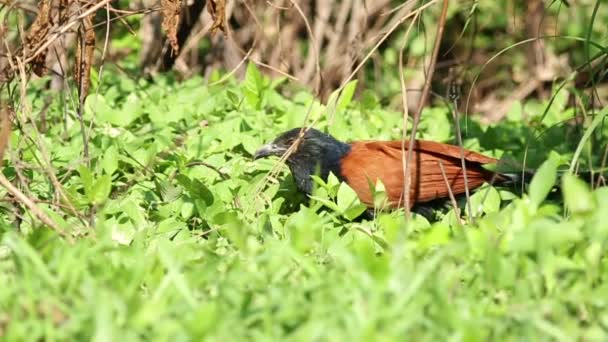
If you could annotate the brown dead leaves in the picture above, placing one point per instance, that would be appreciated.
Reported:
(37, 33)
(84, 56)
(171, 10)
(217, 9)
(6, 113)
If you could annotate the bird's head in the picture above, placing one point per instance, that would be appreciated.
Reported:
(313, 149)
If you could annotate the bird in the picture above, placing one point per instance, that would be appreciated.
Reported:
(362, 163)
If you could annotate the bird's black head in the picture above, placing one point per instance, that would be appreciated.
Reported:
(314, 151)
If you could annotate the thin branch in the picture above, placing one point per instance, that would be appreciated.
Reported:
(450, 192)
(314, 46)
(41, 215)
(405, 108)
(424, 96)
(462, 160)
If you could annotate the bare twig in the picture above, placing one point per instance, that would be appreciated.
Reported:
(424, 96)
(463, 162)
(314, 45)
(41, 215)
(5, 131)
(404, 103)
(450, 192)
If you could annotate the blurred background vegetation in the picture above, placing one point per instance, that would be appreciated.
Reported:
(513, 50)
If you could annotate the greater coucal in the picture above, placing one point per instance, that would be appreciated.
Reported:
(362, 163)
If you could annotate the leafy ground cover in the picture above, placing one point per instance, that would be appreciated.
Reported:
(194, 239)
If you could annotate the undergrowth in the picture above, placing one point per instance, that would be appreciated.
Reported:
(193, 239)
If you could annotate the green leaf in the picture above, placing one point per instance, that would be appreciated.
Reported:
(354, 211)
(326, 202)
(439, 235)
(97, 107)
(347, 197)
(135, 212)
(109, 161)
(557, 234)
(486, 200)
(167, 191)
(379, 194)
(187, 209)
(100, 190)
(347, 95)
(543, 181)
(305, 229)
(233, 96)
(86, 177)
(599, 118)
(577, 195)
(254, 85)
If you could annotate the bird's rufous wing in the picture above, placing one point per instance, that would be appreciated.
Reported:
(369, 161)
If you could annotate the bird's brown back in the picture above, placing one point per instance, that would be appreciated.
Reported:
(369, 161)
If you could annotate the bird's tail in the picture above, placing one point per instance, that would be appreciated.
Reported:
(594, 179)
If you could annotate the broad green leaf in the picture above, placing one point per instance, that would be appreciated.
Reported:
(354, 211)
(233, 96)
(304, 227)
(109, 161)
(556, 234)
(347, 197)
(376, 264)
(167, 191)
(438, 235)
(346, 96)
(486, 200)
(543, 181)
(187, 210)
(253, 86)
(100, 189)
(326, 202)
(135, 212)
(86, 177)
(379, 195)
(577, 196)
(97, 107)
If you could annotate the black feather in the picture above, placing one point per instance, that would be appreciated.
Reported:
(317, 153)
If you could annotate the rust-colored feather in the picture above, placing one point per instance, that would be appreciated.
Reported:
(369, 161)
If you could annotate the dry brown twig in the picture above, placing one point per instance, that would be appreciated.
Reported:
(424, 96)
(450, 193)
(314, 44)
(5, 132)
(84, 61)
(404, 102)
(37, 139)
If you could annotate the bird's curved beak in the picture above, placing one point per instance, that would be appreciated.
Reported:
(269, 150)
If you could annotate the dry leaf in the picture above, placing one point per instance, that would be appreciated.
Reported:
(84, 55)
(5, 129)
(217, 9)
(63, 11)
(171, 10)
(36, 36)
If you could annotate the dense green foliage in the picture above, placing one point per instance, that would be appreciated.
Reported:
(183, 249)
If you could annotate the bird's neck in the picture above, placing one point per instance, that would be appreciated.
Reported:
(320, 164)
